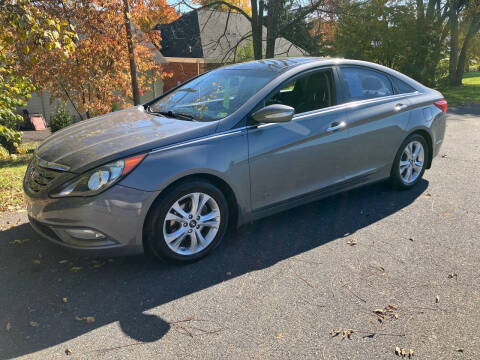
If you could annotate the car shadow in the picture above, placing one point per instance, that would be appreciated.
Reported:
(35, 275)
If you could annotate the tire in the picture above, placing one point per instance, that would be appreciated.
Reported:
(399, 176)
(197, 236)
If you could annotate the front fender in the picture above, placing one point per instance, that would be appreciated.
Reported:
(223, 155)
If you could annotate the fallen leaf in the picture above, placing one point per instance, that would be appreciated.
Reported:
(68, 352)
(99, 264)
(36, 261)
(18, 241)
(459, 350)
(75, 268)
(34, 323)
(379, 311)
(335, 332)
(410, 238)
(89, 319)
(8, 326)
(352, 242)
(64, 300)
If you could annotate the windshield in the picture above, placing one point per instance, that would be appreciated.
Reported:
(212, 96)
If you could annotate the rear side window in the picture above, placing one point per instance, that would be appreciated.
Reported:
(361, 84)
(402, 87)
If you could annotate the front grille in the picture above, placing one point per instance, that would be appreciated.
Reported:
(38, 178)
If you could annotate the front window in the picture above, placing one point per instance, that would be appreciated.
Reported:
(310, 92)
(212, 96)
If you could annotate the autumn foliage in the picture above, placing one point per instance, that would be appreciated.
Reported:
(96, 76)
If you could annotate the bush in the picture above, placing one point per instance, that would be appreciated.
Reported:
(10, 139)
(60, 119)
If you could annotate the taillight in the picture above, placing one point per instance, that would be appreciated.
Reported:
(441, 104)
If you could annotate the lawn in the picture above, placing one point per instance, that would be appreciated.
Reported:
(11, 177)
(468, 93)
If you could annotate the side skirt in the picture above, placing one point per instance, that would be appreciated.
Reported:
(318, 194)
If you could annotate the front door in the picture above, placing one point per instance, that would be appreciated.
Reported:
(294, 159)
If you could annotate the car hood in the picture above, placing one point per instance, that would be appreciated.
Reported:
(93, 142)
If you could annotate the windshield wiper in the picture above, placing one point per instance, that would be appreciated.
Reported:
(172, 114)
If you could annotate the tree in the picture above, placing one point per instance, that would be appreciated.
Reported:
(97, 76)
(466, 14)
(131, 53)
(408, 36)
(27, 33)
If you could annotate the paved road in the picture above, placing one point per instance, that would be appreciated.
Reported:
(276, 288)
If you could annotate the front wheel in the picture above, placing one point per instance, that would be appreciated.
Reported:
(187, 222)
(410, 161)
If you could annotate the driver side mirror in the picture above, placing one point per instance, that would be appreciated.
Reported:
(276, 113)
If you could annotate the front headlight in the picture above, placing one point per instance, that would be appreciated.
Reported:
(99, 179)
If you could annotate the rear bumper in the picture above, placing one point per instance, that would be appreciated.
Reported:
(117, 214)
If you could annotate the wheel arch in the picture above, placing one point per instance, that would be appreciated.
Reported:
(213, 179)
(428, 138)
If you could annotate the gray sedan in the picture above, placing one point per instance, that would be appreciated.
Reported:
(226, 148)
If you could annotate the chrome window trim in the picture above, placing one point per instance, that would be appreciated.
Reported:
(347, 105)
(295, 117)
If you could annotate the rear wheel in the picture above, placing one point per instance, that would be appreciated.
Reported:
(187, 222)
(410, 161)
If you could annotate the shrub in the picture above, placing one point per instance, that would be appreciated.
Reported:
(60, 119)
(10, 139)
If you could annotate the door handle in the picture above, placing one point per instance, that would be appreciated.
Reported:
(336, 126)
(400, 107)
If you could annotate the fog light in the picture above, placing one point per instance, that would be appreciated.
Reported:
(85, 234)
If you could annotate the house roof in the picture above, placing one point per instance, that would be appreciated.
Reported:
(213, 35)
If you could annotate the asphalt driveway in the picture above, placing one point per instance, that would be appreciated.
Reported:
(382, 269)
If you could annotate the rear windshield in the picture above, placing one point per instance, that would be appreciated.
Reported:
(214, 95)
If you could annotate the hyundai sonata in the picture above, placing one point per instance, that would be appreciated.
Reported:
(228, 147)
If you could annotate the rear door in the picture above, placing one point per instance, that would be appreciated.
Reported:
(377, 117)
(290, 160)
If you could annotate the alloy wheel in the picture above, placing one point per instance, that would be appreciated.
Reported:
(412, 162)
(191, 223)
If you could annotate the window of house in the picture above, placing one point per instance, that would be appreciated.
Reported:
(361, 84)
(310, 92)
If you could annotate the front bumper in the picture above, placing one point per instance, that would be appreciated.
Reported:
(117, 214)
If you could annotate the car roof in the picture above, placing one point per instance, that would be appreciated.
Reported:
(279, 66)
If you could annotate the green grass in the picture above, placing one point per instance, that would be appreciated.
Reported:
(468, 93)
(11, 178)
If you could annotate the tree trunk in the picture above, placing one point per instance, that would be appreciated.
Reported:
(257, 15)
(272, 27)
(131, 53)
(472, 31)
(452, 68)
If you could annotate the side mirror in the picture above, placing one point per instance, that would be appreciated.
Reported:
(274, 114)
